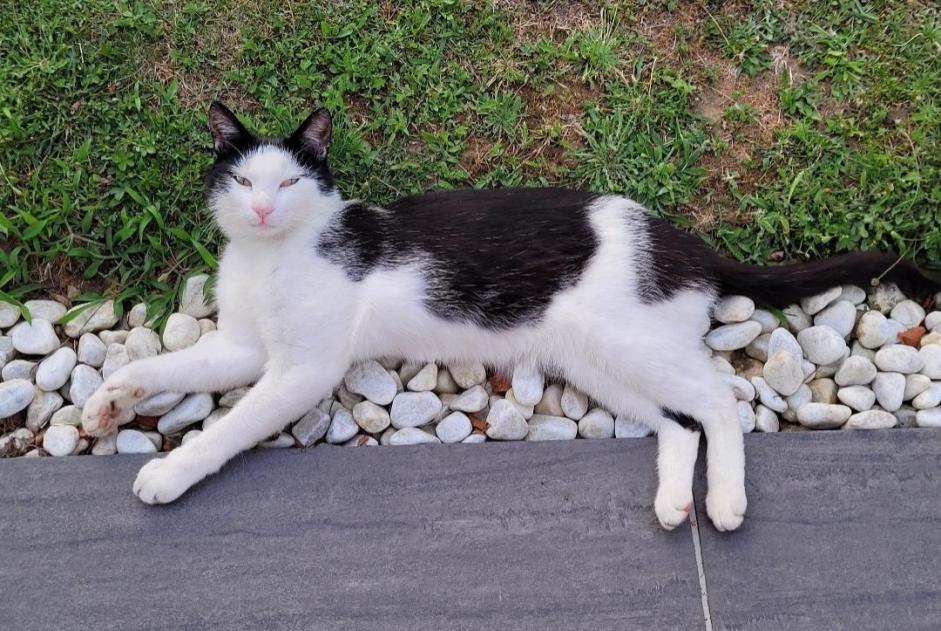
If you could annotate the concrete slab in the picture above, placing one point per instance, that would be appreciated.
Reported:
(496, 536)
(842, 533)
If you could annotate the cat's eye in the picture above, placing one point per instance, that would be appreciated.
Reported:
(242, 180)
(291, 182)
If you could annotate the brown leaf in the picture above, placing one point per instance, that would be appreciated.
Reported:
(912, 336)
(477, 422)
(363, 438)
(146, 422)
(500, 383)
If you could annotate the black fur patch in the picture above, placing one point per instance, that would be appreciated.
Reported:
(493, 257)
(673, 261)
(686, 422)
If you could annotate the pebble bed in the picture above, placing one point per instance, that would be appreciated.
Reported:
(841, 359)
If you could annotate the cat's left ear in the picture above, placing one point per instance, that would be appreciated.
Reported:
(314, 134)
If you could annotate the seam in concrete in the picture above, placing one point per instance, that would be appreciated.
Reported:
(697, 549)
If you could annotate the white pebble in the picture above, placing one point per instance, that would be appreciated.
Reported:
(282, 441)
(83, 383)
(372, 381)
(191, 409)
(758, 349)
(840, 316)
(310, 428)
(783, 373)
(732, 309)
(766, 420)
(467, 374)
(872, 330)
(931, 361)
(54, 371)
(574, 404)
(445, 384)
(194, 302)
(817, 303)
(19, 369)
(915, 385)
(596, 424)
(908, 312)
(930, 398)
(822, 345)
(142, 343)
(36, 338)
(453, 428)
(411, 409)
(890, 390)
(342, 427)
(527, 384)
(425, 380)
(855, 371)
(41, 409)
(60, 440)
(898, 358)
(852, 293)
(796, 318)
(766, 319)
(551, 402)
(741, 388)
(115, 359)
(371, 417)
(823, 390)
(137, 316)
(473, 400)
(627, 427)
(475, 438)
(412, 436)
(730, 337)
(181, 331)
(505, 422)
(746, 417)
(68, 415)
(823, 416)
(131, 441)
(551, 428)
(106, 445)
(928, 418)
(94, 318)
(860, 398)
(871, 419)
(9, 314)
(933, 320)
(112, 337)
(768, 397)
(158, 404)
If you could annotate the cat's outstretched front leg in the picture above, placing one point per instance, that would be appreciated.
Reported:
(216, 362)
(281, 396)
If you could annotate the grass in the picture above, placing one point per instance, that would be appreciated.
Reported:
(778, 130)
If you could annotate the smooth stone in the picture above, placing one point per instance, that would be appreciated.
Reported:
(627, 427)
(915, 385)
(142, 343)
(796, 318)
(158, 404)
(823, 390)
(906, 416)
(732, 309)
(412, 436)
(899, 358)
(407, 370)
(15, 395)
(895, 328)
(872, 330)
(722, 365)
(473, 400)
(505, 422)
(371, 417)
(928, 418)
(468, 374)
(781, 339)
(860, 398)
(830, 370)
(206, 326)
(446, 384)
(7, 352)
(475, 439)
(818, 302)
(399, 386)
(372, 381)
(68, 415)
(387, 435)
(746, 416)
(54, 371)
(115, 360)
(930, 398)
(137, 316)
(840, 316)
(890, 390)
(858, 350)
(349, 399)
(809, 370)
(871, 419)
(412, 409)
(853, 294)
(551, 402)
(311, 427)
(884, 296)
(9, 314)
(799, 399)
(131, 441)
(112, 337)
(361, 440)
(446, 401)
(855, 371)
(932, 338)
(106, 445)
(230, 398)
(194, 301)
(425, 380)
(741, 388)
(282, 441)
(822, 345)
(597, 423)
(60, 440)
(933, 320)
(526, 410)
(453, 428)
(19, 369)
(823, 415)
(574, 404)
(767, 395)
(155, 437)
(45, 309)
(527, 384)
(758, 349)
(766, 319)
(931, 361)
(190, 435)
(217, 415)
(783, 373)
(91, 350)
(730, 337)
(908, 312)
(91, 319)
(543, 427)
(766, 420)
(193, 408)
(342, 427)
(181, 331)
(41, 409)
(38, 338)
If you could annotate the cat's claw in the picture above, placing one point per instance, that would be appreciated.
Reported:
(726, 505)
(161, 481)
(672, 509)
(110, 406)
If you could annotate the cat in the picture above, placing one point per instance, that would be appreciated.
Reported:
(586, 286)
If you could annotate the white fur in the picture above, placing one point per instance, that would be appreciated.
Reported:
(294, 322)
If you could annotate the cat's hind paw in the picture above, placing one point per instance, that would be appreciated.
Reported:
(725, 505)
(110, 406)
(672, 508)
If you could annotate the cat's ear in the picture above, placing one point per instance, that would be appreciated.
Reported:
(227, 131)
(314, 134)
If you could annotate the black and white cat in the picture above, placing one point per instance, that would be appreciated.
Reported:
(585, 286)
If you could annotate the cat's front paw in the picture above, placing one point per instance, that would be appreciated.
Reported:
(725, 505)
(672, 506)
(162, 480)
(110, 406)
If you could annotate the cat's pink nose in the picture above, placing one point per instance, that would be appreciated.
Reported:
(263, 212)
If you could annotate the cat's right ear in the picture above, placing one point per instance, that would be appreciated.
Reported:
(227, 131)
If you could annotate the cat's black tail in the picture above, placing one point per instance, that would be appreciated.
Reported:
(782, 285)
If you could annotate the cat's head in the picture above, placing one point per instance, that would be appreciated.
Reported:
(262, 187)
